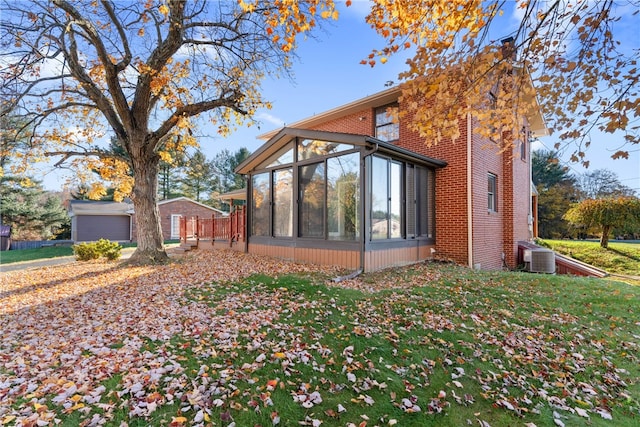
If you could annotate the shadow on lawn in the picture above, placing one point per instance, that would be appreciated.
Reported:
(53, 283)
(624, 254)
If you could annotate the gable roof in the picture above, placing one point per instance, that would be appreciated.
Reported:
(536, 122)
(378, 99)
(96, 207)
(239, 194)
(186, 199)
(285, 135)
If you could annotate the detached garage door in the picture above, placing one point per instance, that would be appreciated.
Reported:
(96, 227)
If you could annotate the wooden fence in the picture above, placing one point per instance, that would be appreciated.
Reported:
(229, 228)
(36, 244)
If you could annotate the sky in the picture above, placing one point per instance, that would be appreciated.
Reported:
(328, 74)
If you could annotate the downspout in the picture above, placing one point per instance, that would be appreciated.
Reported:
(247, 211)
(530, 219)
(469, 195)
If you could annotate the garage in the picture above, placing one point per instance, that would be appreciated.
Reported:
(96, 227)
(91, 221)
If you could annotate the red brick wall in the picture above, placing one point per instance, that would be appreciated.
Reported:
(517, 225)
(488, 227)
(451, 195)
(178, 207)
(360, 123)
(493, 233)
(451, 192)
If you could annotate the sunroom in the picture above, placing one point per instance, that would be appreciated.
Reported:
(340, 199)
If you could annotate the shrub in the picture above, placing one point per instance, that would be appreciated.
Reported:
(95, 250)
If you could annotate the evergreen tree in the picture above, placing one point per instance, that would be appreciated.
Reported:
(226, 180)
(557, 190)
(198, 177)
(32, 212)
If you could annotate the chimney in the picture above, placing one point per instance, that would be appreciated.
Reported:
(508, 49)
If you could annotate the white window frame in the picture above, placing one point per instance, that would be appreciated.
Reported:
(175, 226)
(492, 192)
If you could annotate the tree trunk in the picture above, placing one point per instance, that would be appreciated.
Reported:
(604, 240)
(150, 248)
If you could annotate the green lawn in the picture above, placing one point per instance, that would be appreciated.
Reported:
(10, 257)
(450, 347)
(619, 258)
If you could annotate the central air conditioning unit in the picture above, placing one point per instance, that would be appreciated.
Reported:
(540, 260)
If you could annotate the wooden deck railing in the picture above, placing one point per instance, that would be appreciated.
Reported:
(229, 228)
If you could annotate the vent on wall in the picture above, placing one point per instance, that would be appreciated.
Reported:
(540, 260)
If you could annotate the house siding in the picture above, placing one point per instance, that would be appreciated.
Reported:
(493, 233)
(488, 226)
(180, 206)
(518, 227)
(360, 123)
(451, 190)
(345, 258)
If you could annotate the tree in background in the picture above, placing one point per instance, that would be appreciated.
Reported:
(32, 212)
(557, 191)
(224, 164)
(605, 214)
(144, 71)
(571, 49)
(197, 177)
(602, 183)
(169, 176)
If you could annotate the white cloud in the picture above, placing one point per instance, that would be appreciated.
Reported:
(270, 118)
(359, 8)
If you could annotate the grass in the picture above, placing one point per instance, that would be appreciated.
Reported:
(47, 252)
(467, 348)
(10, 257)
(619, 258)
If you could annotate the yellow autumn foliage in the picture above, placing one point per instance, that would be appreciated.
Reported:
(583, 75)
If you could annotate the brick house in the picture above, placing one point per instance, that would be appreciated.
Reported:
(172, 209)
(353, 187)
(93, 220)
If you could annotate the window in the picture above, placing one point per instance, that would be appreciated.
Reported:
(387, 123)
(312, 148)
(420, 196)
(379, 198)
(282, 157)
(343, 197)
(325, 176)
(312, 200)
(524, 139)
(386, 198)
(402, 200)
(395, 199)
(329, 198)
(260, 204)
(283, 203)
(175, 226)
(492, 197)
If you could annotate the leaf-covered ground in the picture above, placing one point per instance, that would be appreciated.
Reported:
(226, 339)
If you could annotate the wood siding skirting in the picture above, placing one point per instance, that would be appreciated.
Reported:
(376, 260)
(348, 259)
(344, 258)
